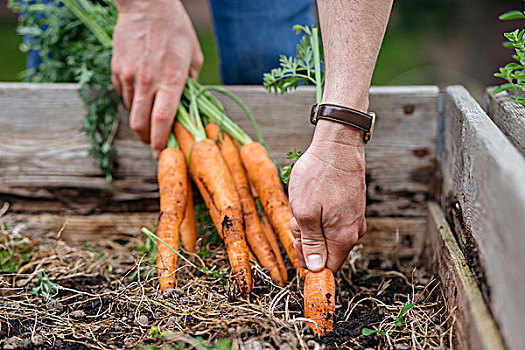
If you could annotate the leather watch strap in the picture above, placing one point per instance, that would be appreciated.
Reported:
(344, 115)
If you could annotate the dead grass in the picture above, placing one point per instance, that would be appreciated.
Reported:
(105, 295)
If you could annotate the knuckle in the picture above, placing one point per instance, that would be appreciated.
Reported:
(312, 243)
(175, 76)
(162, 116)
(145, 78)
(199, 59)
(137, 125)
(127, 77)
(306, 218)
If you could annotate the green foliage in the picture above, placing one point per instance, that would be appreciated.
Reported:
(398, 322)
(299, 69)
(45, 287)
(514, 72)
(13, 254)
(71, 52)
(286, 171)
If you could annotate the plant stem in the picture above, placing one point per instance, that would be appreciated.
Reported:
(172, 141)
(97, 30)
(217, 116)
(155, 237)
(189, 123)
(314, 43)
(241, 104)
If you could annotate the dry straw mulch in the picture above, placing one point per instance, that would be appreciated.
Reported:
(105, 295)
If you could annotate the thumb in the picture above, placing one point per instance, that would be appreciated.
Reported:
(313, 243)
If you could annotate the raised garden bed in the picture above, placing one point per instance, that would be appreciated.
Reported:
(53, 186)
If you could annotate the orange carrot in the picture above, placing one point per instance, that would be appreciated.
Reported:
(173, 186)
(188, 227)
(263, 174)
(270, 236)
(319, 300)
(254, 233)
(207, 167)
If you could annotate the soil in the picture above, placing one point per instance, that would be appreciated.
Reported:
(105, 295)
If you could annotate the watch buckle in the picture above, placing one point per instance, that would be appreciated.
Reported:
(314, 113)
(368, 135)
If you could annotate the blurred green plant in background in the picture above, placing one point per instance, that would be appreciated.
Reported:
(514, 72)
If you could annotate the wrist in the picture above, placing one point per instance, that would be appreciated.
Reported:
(333, 132)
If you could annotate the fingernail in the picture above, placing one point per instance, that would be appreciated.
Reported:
(156, 154)
(314, 262)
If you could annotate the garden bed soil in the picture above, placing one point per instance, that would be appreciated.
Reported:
(105, 295)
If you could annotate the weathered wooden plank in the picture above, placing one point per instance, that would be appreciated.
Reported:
(508, 115)
(474, 327)
(400, 237)
(483, 185)
(43, 152)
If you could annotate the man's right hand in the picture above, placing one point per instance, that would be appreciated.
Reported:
(155, 48)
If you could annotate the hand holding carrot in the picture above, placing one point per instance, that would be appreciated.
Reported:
(155, 49)
(328, 197)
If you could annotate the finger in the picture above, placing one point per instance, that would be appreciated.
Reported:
(362, 231)
(339, 248)
(162, 115)
(299, 248)
(127, 81)
(312, 238)
(196, 63)
(139, 120)
(114, 76)
(294, 228)
(127, 94)
(116, 83)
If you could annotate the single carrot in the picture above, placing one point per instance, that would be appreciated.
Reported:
(319, 300)
(207, 167)
(270, 235)
(272, 239)
(186, 142)
(188, 227)
(254, 234)
(214, 214)
(173, 186)
(263, 174)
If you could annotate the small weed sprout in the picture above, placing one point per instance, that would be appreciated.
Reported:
(45, 287)
(399, 322)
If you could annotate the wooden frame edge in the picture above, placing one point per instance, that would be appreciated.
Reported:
(473, 323)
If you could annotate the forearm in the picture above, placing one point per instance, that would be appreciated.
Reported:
(352, 32)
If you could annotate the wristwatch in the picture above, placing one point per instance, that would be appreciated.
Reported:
(344, 115)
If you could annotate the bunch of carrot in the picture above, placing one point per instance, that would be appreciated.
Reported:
(230, 169)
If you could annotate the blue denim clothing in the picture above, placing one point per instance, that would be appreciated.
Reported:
(33, 57)
(251, 35)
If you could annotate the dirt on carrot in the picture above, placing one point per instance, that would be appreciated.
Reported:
(105, 294)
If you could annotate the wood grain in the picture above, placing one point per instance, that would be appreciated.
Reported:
(45, 156)
(508, 115)
(483, 185)
(393, 237)
(474, 327)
